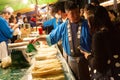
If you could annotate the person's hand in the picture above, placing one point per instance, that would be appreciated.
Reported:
(15, 26)
(44, 42)
(86, 54)
(33, 41)
(42, 38)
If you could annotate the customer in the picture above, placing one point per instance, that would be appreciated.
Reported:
(19, 18)
(89, 11)
(73, 33)
(25, 20)
(104, 60)
(13, 24)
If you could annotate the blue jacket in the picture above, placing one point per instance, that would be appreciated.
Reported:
(51, 22)
(5, 31)
(61, 32)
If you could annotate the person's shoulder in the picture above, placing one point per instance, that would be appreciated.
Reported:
(102, 34)
(2, 19)
(53, 19)
(64, 23)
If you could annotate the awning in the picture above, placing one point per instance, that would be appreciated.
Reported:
(23, 5)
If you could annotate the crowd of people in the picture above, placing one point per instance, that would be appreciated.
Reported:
(90, 38)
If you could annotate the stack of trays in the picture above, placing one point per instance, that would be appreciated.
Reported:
(47, 66)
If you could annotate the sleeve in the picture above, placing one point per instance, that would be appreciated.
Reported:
(48, 40)
(100, 51)
(48, 23)
(85, 39)
(5, 29)
(55, 35)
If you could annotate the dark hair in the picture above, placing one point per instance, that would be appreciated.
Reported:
(101, 19)
(113, 12)
(52, 8)
(70, 5)
(28, 18)
(18, 14)
(91, 11)
(96, 2)
(59, 6)
(11, 19)
(90, 7)
(24, 19)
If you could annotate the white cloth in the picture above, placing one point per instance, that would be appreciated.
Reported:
(17, 32)
(3, 50)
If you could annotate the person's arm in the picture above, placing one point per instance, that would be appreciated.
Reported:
(15, 26)
(5, 29)
(53, 37)
(56, 34)
(42, 38)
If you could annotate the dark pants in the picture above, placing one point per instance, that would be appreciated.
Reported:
(79, 67)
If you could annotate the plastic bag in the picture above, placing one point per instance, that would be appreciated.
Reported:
(30, 48)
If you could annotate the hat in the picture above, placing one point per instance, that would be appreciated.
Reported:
(8, 9)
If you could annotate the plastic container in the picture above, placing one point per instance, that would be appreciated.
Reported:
(40, 30)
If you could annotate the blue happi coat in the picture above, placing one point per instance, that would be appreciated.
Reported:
(52, 22)
(61, 33)
(5, 31)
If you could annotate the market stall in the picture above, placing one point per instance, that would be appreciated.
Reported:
(45, 63)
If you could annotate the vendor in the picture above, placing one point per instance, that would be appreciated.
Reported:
(59, 16)
(74, 34)
(5, 31)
